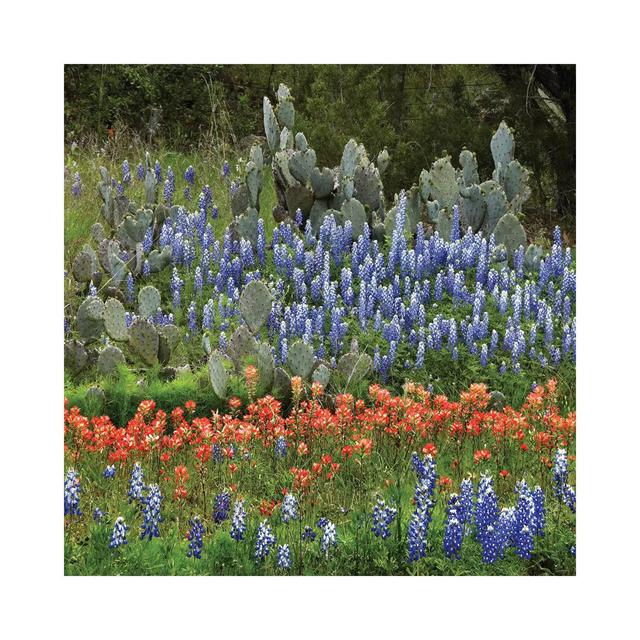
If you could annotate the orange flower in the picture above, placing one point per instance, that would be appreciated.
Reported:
(504, 474)
(233, 467)
(481, 454)
(190, 406)
(296, 388)
(430, 449)
(347, 451)
(303, 449)
(235, 403)
(444, 482)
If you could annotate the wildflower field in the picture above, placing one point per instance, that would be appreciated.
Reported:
(277, 368)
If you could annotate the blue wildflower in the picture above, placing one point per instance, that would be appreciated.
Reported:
(72, 492)
(136, 483)
(264, 542)
(238, 524)
(284, 556)
(382, 517)
(196, 531)
(119, 534)
(221, 506)
(151, 513)
(109, 471)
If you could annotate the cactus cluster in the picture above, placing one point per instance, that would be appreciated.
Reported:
(351, 192)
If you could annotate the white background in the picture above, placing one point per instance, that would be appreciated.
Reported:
(36, 42)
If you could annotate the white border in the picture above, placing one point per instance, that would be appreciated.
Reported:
(39, 40)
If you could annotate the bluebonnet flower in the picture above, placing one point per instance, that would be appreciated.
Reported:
(261, 241)
(158, 171)
(539, 515)
(280, 448)
(109, 471)
(146, 269)
(298, 218)
(136, 483)
(140, 173)
(264, 541)
(382, 517)
(329, 535)
(72, 492)
(76, 185)
(238, 523)
(289, 508)
(221, 506)
(98, 515)
(126, 173)
(151, 513)
(487, 519)
(308, 534)
(119, 534)
(131, 288)
(190, 175)
(92, 289)
(572, 550)
(560, 473)
(284, 556)
(453, 532)
(167, 193)
(455, 225)
(226, 169)
(196, 531)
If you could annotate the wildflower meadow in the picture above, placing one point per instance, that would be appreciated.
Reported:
(275, 367)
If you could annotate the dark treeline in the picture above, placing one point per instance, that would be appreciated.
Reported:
(416, 111)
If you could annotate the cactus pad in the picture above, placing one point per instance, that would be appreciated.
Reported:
(281, 384)
(502, 148)
(148, 301)
(158, 260)
(255, 305)
(75, 356)
(240, 200)
(516, 187)
(443, 183)
(286, 113)
(383, 160)
(97, 232)
(496, 205)
(322, 182)
(90, 318)
(354, 367)
(300, 359)
(354, 211)
(368, 186)
(532, 257)
(84, 264)
(242, 345)
(510, 232)
(322, 374)
(171, 333)
(114, 320)
(299, 197)
(109, 359)
(218, 375)
(472, 208)
(144, 339)
(301, 164)
(271, 129)
(266, 366)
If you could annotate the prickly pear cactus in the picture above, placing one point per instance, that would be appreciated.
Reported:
(286, 139)
(75, 356)
(95, 399)
(383, 161)
(285, 111)
(516, 187)
(148, 301)
(469, 164)
(136, 227)
(160, 213)
(84, 265)
(300, 141)
(368, 186)
(150, 185)
(301, 164)
(353, 368)
(299, 197)
(114, 320)
(322, 182)
(510, 232)
(321, 374)
(247, 226)
(444, 224)
(164, 350)
(413, 210)
(143, 339)
(109, 359)
(271, 128)
(349, 159)
(242, 346)
(532, 257)
(117, 268)
(171, 334)
(425, 185)
(218, 375)
(90, 318)
(240, 200)
(433, 209)
(255, 305)
(354, 211)
(281, 384)
(97, 232)
(159, 260)
(502, 149)
(443, 183)
(300, 359)
(496, 205)
(257, 157)
(317, 213)
(472, 207)
(266, 366)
